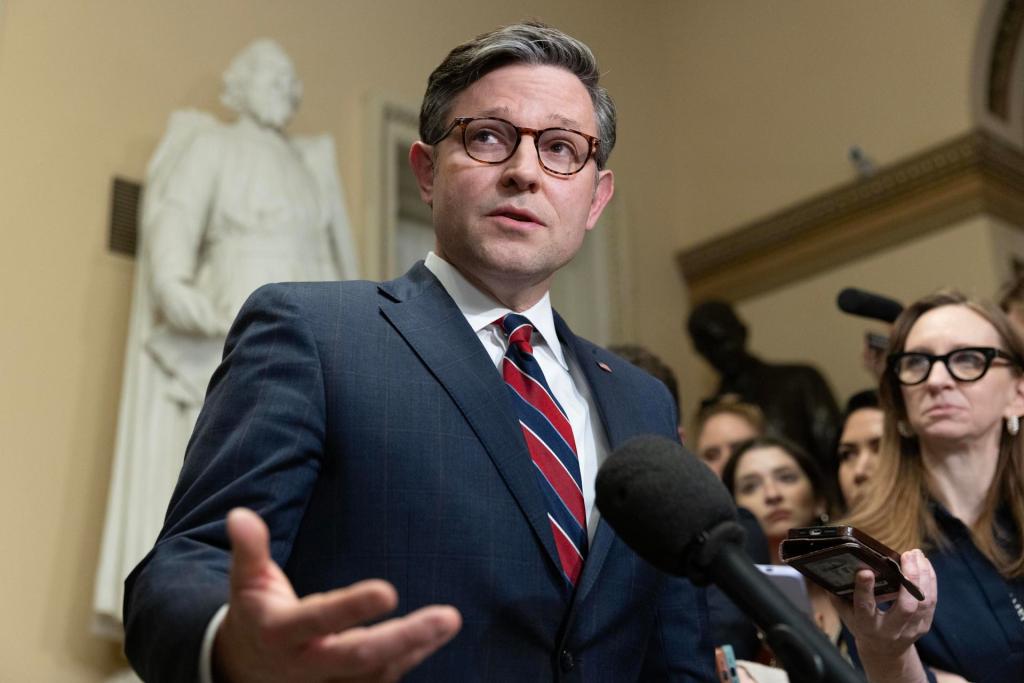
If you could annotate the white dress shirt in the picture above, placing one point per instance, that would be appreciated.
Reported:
(561, 369)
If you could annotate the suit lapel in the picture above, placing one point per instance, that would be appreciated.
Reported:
(429, 321)
(615, 415)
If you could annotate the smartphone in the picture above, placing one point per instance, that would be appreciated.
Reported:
(725, 665)
(790, 583)
(831, 556)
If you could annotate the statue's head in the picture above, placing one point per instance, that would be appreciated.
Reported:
(718, 335)
(261, 83)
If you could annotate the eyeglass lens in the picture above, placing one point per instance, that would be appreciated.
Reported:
(965, 365)
(493, 141)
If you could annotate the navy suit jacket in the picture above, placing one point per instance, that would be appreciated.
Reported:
(368, 426)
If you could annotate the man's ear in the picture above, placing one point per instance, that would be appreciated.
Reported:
(603, 192)
(421, 159)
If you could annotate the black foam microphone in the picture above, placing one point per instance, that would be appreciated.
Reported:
(675, 513)
(660, 499)
(868, 304)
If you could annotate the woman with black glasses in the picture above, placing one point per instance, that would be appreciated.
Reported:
(951, 481)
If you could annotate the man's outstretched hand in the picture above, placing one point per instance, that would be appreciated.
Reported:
(269, 634)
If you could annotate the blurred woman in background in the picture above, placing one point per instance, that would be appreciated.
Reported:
(724, 425)
(783, 487)
(860, 438)
(777, 481)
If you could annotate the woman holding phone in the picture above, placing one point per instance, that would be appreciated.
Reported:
(950, 480)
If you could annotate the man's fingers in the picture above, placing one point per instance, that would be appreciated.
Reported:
(250, 547)
(324, 629)
(418, 654)
(396, 643)
(321, 634)
(326, 614)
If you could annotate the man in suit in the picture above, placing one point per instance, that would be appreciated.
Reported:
(383, 431)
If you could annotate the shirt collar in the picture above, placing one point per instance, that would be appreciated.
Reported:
(481, 310)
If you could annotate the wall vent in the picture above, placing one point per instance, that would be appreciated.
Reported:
(124, 215)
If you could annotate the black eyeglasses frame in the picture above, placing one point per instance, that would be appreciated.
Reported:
(988, 352)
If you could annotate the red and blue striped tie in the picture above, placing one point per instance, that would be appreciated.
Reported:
(550, 441)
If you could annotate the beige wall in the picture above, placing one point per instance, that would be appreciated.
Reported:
(727, 111)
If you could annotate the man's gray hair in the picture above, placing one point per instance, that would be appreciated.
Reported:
(531, 43)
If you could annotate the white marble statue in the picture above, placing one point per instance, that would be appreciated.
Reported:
(226, 208)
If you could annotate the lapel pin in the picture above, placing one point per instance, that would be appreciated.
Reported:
(603, 366)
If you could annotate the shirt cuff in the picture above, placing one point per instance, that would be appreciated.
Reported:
(206, 652)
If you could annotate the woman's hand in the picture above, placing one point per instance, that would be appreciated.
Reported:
(885, 639)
